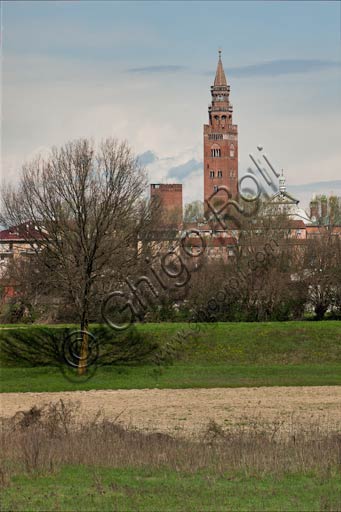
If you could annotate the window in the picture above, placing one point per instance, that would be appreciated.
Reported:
(215, 151)
(232, 151)
(220, 174)
(216, 121)
(215, 188)
(215, 136)
(211, 174)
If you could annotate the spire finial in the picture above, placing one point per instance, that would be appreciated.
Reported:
(219, 51)
(282, 186)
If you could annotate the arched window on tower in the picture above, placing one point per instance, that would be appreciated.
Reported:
(215, 151)
(211, 174)
(232, 151)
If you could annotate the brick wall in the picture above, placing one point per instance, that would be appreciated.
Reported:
(170, 196)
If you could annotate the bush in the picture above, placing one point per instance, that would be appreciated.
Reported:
(17, 310)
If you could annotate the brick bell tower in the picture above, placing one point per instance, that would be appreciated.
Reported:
(220, 141)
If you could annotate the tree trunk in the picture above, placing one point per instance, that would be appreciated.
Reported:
(82, 366)
(320, 311)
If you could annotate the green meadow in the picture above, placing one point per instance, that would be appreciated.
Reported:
(123, 490)
(303, 353)
(125, 471)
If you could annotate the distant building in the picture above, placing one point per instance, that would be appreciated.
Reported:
(220, 141)
(169, 197)
(220, 148)
(284, 203)
(15, 242)
(325, 210)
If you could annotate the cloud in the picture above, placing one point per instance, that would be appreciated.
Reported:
(182, 171)
(193, 187)
(317, 186)
(269, 68)
(282, 67)
(147, 158)
(158, 69)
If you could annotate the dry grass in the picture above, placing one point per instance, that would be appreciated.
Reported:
(41, 440)
(283, 411)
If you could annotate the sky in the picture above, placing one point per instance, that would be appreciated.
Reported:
(142, 71)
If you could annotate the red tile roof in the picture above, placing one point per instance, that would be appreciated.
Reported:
(297, 224)
(20, 233)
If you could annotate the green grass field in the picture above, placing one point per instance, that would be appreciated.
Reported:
(220, 355)
(88, 489)
(177, 376)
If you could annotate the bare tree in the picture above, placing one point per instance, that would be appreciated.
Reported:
(194, 211)
(322, 274)
(84, 210)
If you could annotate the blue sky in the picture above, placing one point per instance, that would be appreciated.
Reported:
(142, 71)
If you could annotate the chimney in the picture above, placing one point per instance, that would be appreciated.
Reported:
(333, 208)
(324, 207)
(313, 209)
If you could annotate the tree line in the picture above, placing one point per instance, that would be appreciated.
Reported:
(94, 227)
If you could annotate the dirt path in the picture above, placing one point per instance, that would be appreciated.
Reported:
(188, 411)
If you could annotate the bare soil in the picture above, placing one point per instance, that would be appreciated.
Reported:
(187, 412)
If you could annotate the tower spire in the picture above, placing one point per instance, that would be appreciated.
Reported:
(220, 78)
(220, 141)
